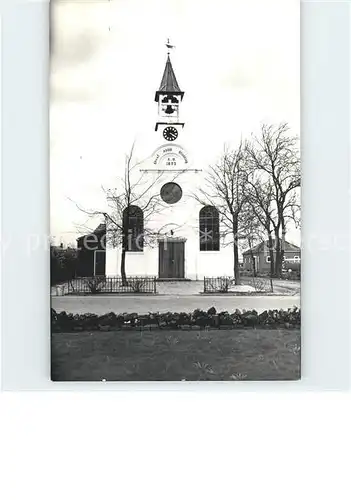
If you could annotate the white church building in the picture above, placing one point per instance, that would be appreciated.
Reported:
(189, 245)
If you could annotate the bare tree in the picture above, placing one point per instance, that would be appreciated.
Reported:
(254, 234)
(134, 190)
(224, 188)
(273, 160)
(260, 207)
(251, 234)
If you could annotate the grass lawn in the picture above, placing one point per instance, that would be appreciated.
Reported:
(245, 354)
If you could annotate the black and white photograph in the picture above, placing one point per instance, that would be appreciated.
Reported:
(175, 215)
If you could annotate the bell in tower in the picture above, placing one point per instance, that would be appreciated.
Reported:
(170, 105)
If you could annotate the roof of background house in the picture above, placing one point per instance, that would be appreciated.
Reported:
(101, 228)
(289, 247)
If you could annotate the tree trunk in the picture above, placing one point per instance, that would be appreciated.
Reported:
(271, 255)
(252, 258)
(278, 266)
(125, 245)
(123, 267)
(282, 248)
(253, 262)
(236, 255)
(271, 282)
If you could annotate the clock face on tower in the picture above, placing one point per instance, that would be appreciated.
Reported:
(170, 133)
(171, 193)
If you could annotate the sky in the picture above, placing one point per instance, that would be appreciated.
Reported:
(238, 63)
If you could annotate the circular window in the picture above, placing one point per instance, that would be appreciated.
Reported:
(171, 193)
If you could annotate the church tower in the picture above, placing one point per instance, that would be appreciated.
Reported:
(169, 97)
(170, 156)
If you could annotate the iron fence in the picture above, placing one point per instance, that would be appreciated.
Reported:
(108, 284)
(218, 284)
(225, 284)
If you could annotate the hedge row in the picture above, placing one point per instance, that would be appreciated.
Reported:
(63, 322)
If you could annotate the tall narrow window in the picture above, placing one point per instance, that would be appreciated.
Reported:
(209, 228)
(133, 229)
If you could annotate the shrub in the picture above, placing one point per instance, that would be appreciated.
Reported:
(260, 284)
(138, 285)
(95, 284)
(63, 264)
(219, 284)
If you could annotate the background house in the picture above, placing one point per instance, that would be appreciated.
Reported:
(260, 253)
(92, 253)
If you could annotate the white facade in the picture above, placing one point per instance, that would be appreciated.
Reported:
(182, 219)
(177, 222)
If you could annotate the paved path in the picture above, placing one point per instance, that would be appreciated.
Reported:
(163, 303)
(187, 288)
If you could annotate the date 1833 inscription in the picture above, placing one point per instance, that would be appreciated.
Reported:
(170, 157)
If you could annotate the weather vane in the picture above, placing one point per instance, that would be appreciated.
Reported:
(169, 46)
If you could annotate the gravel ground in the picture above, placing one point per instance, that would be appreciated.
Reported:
(173, 303)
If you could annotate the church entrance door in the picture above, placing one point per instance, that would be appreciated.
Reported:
(171, 259)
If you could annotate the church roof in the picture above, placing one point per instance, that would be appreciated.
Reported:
(169, 84)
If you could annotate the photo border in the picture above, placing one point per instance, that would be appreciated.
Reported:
(325, 138)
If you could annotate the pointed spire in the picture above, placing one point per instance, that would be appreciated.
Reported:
(169, 84)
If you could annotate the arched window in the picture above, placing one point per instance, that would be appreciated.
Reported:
(209, 228)
(133, 229)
